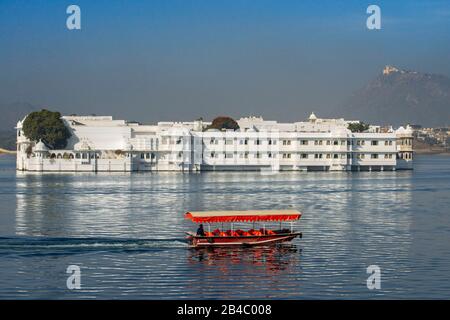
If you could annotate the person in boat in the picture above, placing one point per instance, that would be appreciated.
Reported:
(200, 231)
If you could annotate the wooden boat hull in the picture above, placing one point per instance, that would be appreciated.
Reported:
(199, 241)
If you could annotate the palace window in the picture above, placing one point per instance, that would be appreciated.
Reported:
(318, 156)
(318, 142)
(374, 156)
(304, 142)
(245, 141)
(335, 142)
(303, 156)
(374, 142)
(406, 142)
(335, 156)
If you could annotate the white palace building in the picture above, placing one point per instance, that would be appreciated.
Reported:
(102, 144)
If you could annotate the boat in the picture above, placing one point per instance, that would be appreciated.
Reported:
(239, 237)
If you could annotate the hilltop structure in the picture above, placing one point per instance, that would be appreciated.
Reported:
(100, 143)
(397, 96)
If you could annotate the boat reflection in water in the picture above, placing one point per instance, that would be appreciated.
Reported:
(272, 259)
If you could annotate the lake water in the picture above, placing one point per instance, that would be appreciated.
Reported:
(126, 233)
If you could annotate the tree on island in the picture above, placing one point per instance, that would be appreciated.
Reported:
(358, 126)
(47, 126)
(223, 123)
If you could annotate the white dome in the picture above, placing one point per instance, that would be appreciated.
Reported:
(401, 129)
(40, 147)
(312, 116)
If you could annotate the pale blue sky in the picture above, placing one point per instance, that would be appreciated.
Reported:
(178, 60)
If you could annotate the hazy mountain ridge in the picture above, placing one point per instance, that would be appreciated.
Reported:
(8, 140)
(13, 112)
(397, 97)
(10, 114)
(394, 97)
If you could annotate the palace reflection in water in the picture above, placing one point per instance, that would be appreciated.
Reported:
(127, 231)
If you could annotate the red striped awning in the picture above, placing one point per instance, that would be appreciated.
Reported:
(242, 216)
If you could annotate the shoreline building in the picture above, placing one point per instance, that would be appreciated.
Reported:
(102, 144)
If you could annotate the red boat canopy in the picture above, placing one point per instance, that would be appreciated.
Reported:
(243, 216)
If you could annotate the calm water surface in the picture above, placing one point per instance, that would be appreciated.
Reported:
(126, 232)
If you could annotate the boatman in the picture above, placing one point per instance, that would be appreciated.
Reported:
(200, 231)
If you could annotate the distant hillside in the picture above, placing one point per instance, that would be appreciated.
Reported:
(397, 97)
(10, 114)
(8, 140)
(13, 112)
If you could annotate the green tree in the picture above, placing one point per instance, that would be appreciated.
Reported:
(358, 126)
(223, 123)
(47, 126)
